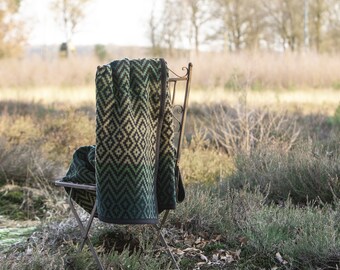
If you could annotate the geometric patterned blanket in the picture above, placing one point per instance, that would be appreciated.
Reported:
(133, 162)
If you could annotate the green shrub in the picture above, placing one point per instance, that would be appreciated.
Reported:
(242, 129)
(335, 120)
(100, 51)
(17, 203)
(20, 164)
(64, 134)
(302, 174)
(305, 237)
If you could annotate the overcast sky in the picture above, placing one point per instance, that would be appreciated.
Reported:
(118, 22)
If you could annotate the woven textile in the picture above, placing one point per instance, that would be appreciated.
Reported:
(134, 166)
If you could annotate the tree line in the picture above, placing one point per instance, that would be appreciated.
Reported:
(228, 25)
(234, 25)
(13, 33)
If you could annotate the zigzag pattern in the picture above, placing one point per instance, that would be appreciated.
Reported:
(123, 166)
(82, 171)
(126, 143)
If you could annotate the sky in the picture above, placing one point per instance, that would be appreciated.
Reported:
(117, 22)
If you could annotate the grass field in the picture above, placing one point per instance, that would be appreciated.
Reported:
(261, 164)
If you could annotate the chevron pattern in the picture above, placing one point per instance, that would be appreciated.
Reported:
(82, 171)
(134, 181)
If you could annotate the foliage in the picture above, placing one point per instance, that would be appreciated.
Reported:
(69, 14)
(244, 130)
(100, 52)
(335, 120)
(303, 174)
(12, 35)
(21, 204)
(295, 233)
(251, 25)
(235, 223)
(266, 75)
(201, 163)
(21, 164)
(226, 221)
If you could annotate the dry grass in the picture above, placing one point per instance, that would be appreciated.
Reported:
(268, 70)
(309, 81)
(261, 70)
(44, 118)
(50, 94)
(323, 101)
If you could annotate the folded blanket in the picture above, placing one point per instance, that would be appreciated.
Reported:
(134, 154)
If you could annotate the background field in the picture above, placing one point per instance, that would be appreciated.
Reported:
(261, 163)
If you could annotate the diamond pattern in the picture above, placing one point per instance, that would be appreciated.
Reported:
(135, 157)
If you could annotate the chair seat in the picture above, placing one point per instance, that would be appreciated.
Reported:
(60, 183)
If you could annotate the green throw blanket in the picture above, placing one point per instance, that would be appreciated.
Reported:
(133, 162)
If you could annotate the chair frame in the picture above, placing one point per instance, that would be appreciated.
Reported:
(178, 109)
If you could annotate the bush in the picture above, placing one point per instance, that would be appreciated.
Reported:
(335, 120)
(302, 174)
(305, 237)
(201, 163)
(20, 164)
(100, 52)
(241, 129)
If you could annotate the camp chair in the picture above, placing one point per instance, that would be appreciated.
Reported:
(179, 112)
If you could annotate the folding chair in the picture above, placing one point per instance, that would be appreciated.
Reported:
(179, 119)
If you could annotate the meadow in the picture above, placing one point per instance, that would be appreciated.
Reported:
(261, 165)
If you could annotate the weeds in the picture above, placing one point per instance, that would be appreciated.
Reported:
(305, 237)
(237, 160)
(20, 164)
(243, 130)
(335, 120)
(300, 174)
(266, 70)
(202, 163)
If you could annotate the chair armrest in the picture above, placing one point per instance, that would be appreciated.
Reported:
(61, 183)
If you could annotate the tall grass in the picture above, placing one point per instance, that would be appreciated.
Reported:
(260, 70)
(236, 160)
(306, 238)
(302, 174)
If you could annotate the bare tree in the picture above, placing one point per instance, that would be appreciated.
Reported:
(241, 23)
(165, 31)
(332, 25)
(245, 24)
(69, 13)
(154, 35)
(173, 23)
(285, 19)
(317, 20)
(200, 14)
(12, 32)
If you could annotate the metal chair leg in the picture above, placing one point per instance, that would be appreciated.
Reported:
(161, 237)
(159, 227)
(88, 226)
(84, 232)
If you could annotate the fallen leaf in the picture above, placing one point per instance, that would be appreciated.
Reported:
(236, 254)
(280, 259)
(191, 249)
(198, 241)
(218, 238)
(227, 258)
(178, 251)
(243, 240)
(203, 257)
(29, 251)
(215, 257)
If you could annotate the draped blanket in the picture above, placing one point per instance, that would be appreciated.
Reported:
(133, 162)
